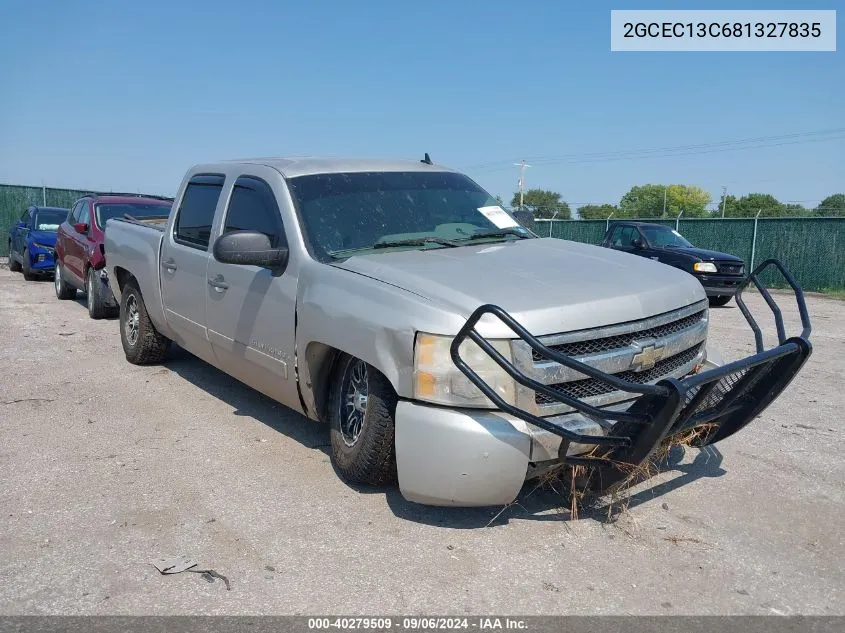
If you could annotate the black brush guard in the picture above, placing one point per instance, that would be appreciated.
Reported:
(718, 402)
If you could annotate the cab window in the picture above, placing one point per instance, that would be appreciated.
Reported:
(253, 207)
(196, 212)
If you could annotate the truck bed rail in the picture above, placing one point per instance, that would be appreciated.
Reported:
(721, 401)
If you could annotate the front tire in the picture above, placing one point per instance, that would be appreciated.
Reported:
(362, 410)
(142, 343)
(64, 290)
(14, 266)
(720, 301)
(97, 308)
(27, 268)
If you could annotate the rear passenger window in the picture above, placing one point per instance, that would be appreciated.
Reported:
(196, 213)
(74, 214)
(253, 207)
(84, 215)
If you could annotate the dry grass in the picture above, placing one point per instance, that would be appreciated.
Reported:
(583, 491)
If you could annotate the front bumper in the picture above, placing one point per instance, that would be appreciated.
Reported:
(451, 457)
(720, 285)
(478, 457)
(42, 259)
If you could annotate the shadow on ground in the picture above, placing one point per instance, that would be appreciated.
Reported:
(246, 401)
(535, 502)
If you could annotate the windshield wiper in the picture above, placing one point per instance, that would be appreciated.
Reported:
(498, 233)
(417, 241)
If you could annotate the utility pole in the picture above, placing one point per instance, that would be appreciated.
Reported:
(522, 167)
(664, 200)
(724, 198)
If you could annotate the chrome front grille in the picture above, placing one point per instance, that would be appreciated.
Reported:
(581, 348)
(730, 268)
(644, 352)
(591, 387)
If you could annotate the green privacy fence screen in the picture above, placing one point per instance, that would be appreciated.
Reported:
(14, 200)
(813, 249)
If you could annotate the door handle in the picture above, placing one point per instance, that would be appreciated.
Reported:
(218, 284)
(169, 264)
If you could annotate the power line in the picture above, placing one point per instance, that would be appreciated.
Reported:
(680, 150)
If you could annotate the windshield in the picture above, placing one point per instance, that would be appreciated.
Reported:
(354, 212)
(107, 211)
(49, 219)
(663, 237)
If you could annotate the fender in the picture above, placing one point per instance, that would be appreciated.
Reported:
(343, 311)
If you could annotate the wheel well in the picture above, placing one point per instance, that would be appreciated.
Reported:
(122, 276)
(321, 359)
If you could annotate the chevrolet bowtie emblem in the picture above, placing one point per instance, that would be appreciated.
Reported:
(646, 358)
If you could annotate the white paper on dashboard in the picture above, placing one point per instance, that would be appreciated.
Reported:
(498, 216)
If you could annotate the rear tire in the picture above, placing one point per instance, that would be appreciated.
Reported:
(362, 409)
(14, 266)
(720, 301)
(27, 268)
(142, 343)
(97, 308)
(64, 290)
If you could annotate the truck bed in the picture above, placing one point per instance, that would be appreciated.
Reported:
(133, 247)
(157, 222)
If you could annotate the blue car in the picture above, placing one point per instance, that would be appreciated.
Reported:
(32, 241)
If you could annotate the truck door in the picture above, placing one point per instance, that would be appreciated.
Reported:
(250, 311)
(183, 262)
(645, 249)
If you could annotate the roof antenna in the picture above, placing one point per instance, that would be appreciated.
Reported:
(427, 159)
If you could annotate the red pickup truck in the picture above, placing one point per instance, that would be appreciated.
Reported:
(80, 256)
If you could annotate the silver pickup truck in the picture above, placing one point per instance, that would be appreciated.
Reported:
(445, 344)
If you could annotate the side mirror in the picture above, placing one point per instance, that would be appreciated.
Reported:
(20, 224)
(81, 227)
(637, 243)
(250, 248)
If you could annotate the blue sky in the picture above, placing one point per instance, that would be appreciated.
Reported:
(122, 95)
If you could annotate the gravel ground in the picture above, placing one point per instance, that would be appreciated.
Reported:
(106, 467)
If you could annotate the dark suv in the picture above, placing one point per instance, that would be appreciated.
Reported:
(80, 256)
(719, 273)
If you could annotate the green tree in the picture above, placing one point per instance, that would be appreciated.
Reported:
(597, 211)
(544, 204)
(690, 199)
(796, 210)
(649, 201)
(832, 205)
(749, 205)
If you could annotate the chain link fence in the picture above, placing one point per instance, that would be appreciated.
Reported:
(812, 248)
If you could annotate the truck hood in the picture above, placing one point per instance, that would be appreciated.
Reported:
(705, 255)
(47, 238)
(548, 285)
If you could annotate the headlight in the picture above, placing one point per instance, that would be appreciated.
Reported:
(437, 379)
(704, 267)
